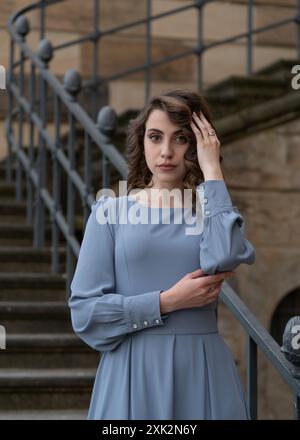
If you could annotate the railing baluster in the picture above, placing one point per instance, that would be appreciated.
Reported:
(296, 407)
(105, 172)
(56, 186)
(96, 63)
(45, 55)
(10, 80)
(42, 18)
(39, 230)
(29, 186)
(87, 174)
(252, 376)
(200, 46)
(249, 66)
(70, 201)
(20, 130)
(148, 48)
(298, 29)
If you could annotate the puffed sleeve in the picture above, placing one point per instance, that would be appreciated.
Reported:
(100, 316)
(223, 245)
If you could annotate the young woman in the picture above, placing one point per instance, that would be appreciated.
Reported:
(145, 294)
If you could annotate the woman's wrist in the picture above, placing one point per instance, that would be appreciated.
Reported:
(166, 302)
(213, 173)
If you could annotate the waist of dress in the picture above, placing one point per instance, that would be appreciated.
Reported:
(187, 321)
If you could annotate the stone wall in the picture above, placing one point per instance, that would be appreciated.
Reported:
(262, 174)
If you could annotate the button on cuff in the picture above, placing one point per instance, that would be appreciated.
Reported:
(215, 196)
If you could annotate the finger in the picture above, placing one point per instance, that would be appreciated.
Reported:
(214, 285)
(218, 276)
(197, 273)
(202, 127)
(213, 294)
(217, 288)
(196, 131)
(209, 128)
(205, 121)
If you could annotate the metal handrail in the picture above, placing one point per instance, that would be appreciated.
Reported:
(99, 129)
(257, 336)
(198, 50)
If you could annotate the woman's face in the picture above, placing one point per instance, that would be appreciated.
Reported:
(165, 142)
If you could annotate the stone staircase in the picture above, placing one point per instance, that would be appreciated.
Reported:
(234, 94)
(46, 371)
(238, 92)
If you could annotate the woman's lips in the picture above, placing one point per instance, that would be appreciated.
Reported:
(167, 168)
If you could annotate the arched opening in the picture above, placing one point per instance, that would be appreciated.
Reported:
(288, 307)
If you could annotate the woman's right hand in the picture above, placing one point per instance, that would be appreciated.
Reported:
(192, 291)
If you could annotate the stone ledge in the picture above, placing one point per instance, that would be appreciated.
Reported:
(259, 117)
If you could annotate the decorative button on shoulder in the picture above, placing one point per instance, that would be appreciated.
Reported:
(205, 200)
(157, 321)
(134, 325)
(207, 212)
(146, 323)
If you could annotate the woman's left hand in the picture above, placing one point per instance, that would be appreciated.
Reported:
(208, 147)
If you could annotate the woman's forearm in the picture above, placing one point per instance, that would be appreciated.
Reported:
(166, 302)
(214, 173)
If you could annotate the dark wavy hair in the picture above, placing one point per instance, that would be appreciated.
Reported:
(179, 104)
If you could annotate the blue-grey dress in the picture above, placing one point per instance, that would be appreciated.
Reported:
(172, 366)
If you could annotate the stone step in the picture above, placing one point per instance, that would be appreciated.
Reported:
(280, 69)
(22, 286)
(249, 89)
(67, 414)
(3, 172)
(223, 104)
(23, 259)
(35, 317)
(12, 212)
(43, 389)
(19, 234)
(39, 350)
(7, 191)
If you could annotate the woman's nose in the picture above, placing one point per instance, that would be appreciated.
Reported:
(166, 150)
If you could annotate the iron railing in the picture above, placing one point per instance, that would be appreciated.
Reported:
(32, 164)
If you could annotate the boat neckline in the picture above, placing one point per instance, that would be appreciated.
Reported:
(131, 199)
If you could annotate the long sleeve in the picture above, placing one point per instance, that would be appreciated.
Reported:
(100, 316)
(223, 245)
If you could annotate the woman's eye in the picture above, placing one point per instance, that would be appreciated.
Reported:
(153, 136)
(184, 139)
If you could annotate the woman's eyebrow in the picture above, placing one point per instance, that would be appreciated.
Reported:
(156, 129)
